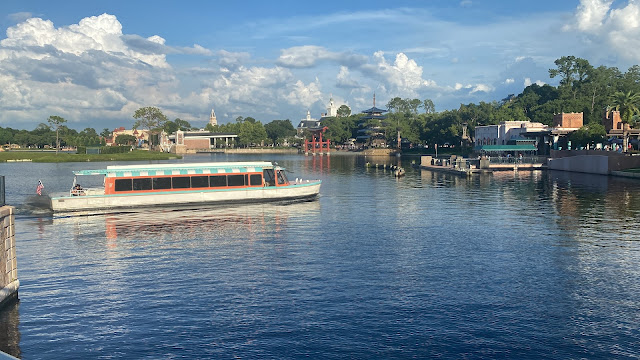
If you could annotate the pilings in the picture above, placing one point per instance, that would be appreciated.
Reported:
(9, 283)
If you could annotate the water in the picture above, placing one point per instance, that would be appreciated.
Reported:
(511, 265)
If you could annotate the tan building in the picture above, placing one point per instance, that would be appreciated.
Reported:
(568, 120)
(141, 136)
(212, 118)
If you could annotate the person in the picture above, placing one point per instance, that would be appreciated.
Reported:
(77, 190)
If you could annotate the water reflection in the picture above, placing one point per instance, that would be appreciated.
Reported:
(156, 223)
(9, 329)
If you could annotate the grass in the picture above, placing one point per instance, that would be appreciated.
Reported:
(52, 157)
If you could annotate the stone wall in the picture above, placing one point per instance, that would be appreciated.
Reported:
(592, 161)
(8, 263)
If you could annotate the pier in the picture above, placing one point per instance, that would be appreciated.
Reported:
(9, 283)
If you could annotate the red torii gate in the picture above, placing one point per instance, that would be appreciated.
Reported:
(316, 145)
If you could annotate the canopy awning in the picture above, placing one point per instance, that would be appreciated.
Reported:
(506, 148)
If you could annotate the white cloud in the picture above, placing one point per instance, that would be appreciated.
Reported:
(345, 80)
(605, 27)
(481, 87)
(304, 95)
(309, 55)
(527, 82)
(509, 81)
(403, 76)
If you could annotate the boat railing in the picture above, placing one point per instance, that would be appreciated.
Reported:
(86, 191)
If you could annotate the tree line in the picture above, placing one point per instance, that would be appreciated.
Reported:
(582, 88)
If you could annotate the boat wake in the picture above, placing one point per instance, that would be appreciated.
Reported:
(35, 205)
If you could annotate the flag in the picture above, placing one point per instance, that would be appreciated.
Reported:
(39, 187)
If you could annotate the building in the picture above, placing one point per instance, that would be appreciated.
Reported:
(568, 121)
(370, 131)
(142, 136)
(512, 137)
(185, 142)
(212, 118)
(307, 124)
(612, 121)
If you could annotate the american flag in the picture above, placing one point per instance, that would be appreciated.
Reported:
(39, 187)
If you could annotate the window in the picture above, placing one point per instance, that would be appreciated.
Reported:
(181, 182)
(162, 183)
(123, 185)
(255, 180)
(269, 177)
(235, 180)
(142, 184)
(218, 180)
(282, 178)
(199, 181)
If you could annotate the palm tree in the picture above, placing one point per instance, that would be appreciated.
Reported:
(628, 104)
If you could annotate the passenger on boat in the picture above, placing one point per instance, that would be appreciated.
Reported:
(77, 190)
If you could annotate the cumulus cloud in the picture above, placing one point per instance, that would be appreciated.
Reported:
(403, 76)
(345, 80)
(527, 82)
(608, 27)
(509, 81)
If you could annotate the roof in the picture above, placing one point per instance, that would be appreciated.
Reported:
(178, 169)
(506, 148)
(374, 110)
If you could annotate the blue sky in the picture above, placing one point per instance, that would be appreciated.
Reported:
(95, 62)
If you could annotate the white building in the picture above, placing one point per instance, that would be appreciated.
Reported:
(212, 119)
(506, 131)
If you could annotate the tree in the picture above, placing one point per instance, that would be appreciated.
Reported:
(627, 103)
(125, 139)
(573, 73)
(105, 133)
(279, 130)
(150, 118)
(56, 121)
(429, 106)
(343, 111)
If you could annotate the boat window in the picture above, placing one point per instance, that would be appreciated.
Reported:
(218, 180)
(162, 183)
(123, 185)
(255, 180)
(235, 180)
(282, 178)
(199, 181)
(180, 182)
(142, 184)
(269, 177)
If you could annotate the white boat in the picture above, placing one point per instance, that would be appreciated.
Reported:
(182, 185)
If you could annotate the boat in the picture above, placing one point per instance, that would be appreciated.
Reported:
(127, 187)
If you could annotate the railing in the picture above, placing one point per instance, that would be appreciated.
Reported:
(517, 160)
(87, 191)
(2, 198)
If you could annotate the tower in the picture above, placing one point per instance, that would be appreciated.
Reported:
(212, 119)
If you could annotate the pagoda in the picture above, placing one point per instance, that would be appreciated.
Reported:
(371, 126)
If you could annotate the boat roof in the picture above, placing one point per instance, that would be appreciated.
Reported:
(178, 169)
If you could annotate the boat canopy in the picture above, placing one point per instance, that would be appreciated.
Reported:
(178, 169)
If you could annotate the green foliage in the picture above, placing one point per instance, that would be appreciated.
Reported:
(125, 139)
(343, 111)
(115, 149)
(278, 130)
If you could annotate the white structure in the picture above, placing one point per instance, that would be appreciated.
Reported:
(505, 131)
(212, 119)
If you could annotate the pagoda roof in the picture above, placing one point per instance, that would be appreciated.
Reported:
(374, 110)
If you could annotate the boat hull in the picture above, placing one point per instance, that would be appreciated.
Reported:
(180, 199)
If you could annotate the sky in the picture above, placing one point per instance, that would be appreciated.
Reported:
(95, 63)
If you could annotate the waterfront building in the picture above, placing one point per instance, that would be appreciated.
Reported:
(370, 132)
(142, 136)
(189, 142)
(307, 124)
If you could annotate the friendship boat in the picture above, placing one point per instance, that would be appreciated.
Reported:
(180, 185)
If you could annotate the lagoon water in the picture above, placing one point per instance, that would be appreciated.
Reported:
(510, 265)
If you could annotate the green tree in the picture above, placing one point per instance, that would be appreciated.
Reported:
(429, 106)
(56, 122)
(627, 103)
(150, 118)
(343, 111)
(125, 139)
(278, 130)
(105, 133)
